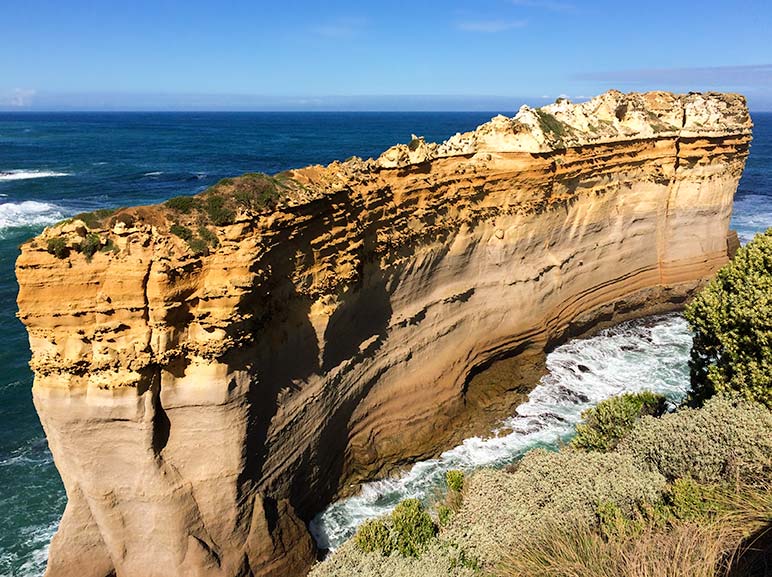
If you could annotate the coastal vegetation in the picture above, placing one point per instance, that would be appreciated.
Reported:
(219, 206)
(605, 424)
(191, 216)
(638, 492)
(732, 324)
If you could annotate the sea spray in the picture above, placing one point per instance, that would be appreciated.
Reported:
(28, 213)
(646, 354)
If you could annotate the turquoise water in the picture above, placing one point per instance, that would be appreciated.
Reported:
(55, 165)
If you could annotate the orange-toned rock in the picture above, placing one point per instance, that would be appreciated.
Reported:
(201, 408)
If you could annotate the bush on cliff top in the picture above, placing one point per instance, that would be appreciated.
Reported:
(218, 204)
(57, 247)
(408, 531)
(726, 439)
(610, 420)
(90, 245)
(731, 319)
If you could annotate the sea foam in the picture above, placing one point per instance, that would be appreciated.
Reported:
(29, 174)
(28, 213)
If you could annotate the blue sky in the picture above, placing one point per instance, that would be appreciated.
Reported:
(388, 54)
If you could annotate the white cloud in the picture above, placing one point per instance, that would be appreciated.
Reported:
(490, 26)
(18, 98)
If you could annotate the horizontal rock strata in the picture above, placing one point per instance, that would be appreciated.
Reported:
(202, 405)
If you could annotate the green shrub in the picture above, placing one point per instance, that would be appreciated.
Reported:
(257, 191)
(408, 530)
(413, 528)
(181, 231)
(198, 246)
(691, 500)
(444, 513)
(454, 479)
(731, 319)
(96, 218)
(563, 488)
(726, 440)
(610, 420)
(208, 236)
(441, 559)
(612, 522)
(57, 247)
(90, 245)
(109, 246)
(373, 536)
(183, 204)
(218, 213)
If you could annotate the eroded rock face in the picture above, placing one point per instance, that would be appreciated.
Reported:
(201, 408)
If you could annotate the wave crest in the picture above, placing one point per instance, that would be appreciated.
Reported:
(30, 174)
(28, 213)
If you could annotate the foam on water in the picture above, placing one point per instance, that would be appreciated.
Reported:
(38, 540)
(30, 174)
(28, 213)
(647, 354)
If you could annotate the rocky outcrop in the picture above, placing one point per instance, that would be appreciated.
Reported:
(202, 404)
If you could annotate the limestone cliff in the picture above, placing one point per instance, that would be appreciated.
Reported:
(204, 397)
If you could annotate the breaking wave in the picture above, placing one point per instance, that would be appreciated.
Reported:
(29, 174)
(28, 213)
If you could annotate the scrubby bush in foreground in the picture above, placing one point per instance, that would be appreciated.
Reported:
(408, 531)
(727, 439)
(610, 420)
(731, 319)
(695, 481)
(454, 479)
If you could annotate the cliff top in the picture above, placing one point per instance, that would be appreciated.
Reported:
(607, 118)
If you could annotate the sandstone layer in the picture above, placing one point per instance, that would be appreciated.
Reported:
(203, 405)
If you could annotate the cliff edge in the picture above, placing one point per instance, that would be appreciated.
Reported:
(212, 371)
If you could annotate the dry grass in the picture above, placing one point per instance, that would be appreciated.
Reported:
(705, 548)
(687, 549)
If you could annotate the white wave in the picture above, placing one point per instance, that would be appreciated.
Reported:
(38, 539)
(638, 355)
(752, 214)
(157, 173)
(28, 213)
(30, 174)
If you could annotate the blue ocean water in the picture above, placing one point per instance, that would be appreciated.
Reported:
(55, 165)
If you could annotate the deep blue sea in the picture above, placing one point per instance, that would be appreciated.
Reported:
(56, 165)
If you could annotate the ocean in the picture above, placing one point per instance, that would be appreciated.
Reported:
(56, 165)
